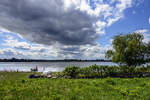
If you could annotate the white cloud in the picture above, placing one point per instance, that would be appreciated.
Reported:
(145, 34)
(23, 49)
(4, 30)
(146, 38)
(100, 25)
(142, 31)
(95, 52)
(118, 11)
(14, 43)
(84, 5)
(124, 4)
(113, 20)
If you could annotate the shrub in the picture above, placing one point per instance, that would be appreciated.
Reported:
(71, 71)
(93, 71)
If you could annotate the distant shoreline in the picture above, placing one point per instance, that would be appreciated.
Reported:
(39, 60)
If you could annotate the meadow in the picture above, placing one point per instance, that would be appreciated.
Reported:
(17, 86)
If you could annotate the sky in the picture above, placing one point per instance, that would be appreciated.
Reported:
(68, 29)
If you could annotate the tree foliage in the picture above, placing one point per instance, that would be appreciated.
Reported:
(129, 50)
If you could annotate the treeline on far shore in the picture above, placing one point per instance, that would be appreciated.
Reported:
(43, 60)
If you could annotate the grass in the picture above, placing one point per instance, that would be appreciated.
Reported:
(17, 86)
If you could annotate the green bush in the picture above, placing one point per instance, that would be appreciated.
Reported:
(71, 71)
(100, 71)
(93, 71)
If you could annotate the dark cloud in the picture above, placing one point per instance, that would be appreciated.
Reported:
(47, 22)
(71, 49)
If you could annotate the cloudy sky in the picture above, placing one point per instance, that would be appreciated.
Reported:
(68, 29)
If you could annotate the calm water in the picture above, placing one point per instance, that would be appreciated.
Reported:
(45, 66)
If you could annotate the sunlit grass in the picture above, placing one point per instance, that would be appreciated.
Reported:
(17, 86)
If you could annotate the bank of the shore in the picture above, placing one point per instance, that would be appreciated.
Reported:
(17, 86)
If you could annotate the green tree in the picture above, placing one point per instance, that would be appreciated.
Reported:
(128, 50)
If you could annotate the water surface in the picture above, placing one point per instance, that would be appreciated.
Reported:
(45, 66)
